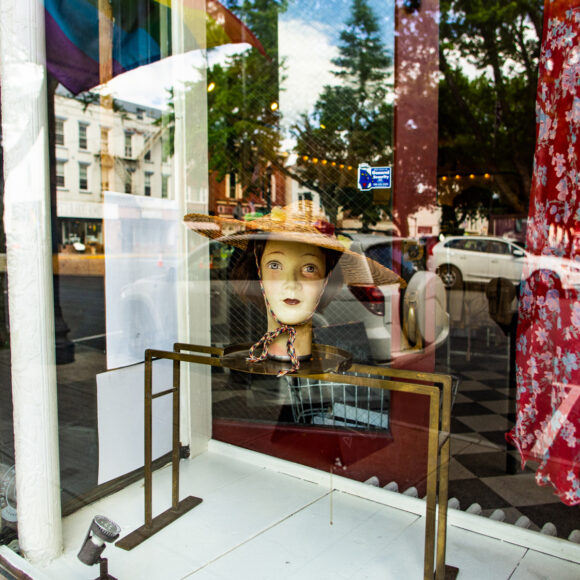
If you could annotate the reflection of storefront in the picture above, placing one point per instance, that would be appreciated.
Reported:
(86, 231)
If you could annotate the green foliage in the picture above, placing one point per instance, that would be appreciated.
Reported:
(166, 124)
(351, 123)
(487, 119)
(242, 126)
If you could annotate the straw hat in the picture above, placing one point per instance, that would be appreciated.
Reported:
(297, 222)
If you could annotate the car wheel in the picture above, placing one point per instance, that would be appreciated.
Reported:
(450, 276)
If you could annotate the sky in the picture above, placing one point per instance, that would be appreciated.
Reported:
(308, 35)
(308, 39)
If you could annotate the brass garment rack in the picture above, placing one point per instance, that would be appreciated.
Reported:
(328, 364)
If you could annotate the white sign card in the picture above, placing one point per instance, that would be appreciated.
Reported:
(120, 404)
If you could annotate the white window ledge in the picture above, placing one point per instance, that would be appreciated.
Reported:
(263, 517)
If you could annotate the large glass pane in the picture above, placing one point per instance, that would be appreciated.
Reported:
(119, 193)
(428, 101)
(406, 133)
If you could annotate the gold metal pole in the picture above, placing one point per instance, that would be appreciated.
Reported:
(444, 441)
(105, 41)
(176, 445)
(153, 524)
(148, 439)
(443, 498)
(432, 461)
(105, 75)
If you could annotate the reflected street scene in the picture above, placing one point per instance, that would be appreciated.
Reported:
(335, 242)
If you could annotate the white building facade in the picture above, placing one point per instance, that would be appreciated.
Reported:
(99, 148)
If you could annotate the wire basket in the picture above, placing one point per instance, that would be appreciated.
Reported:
(338, 404)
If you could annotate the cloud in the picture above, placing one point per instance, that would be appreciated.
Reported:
(149, 84)
(307, 49)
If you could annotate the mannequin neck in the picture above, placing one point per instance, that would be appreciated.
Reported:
(303, 343)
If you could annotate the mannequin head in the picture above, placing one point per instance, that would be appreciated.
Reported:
(293, 277)
(287, 263)
(297, 278)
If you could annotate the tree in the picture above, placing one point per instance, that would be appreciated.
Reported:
(487, 119)
(243, 134)
(351, 122)
(242, 108)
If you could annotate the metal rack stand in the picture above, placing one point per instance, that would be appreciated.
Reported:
(331, 365)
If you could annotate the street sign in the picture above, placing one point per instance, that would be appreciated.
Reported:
(373, 177)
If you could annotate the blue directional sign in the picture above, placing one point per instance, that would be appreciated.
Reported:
(373, 177)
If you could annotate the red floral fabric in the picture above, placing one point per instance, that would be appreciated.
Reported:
(547, 426)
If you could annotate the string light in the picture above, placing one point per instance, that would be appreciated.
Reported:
(274, 106)
(458, 176)
(210, 87)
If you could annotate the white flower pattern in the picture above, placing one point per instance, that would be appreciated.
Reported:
(548, 341)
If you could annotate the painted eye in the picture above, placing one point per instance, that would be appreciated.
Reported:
(273, 265)
(310, 269)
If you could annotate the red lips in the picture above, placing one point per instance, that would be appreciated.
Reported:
(291, 301)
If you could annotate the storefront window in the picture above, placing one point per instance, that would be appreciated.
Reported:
(408, 130)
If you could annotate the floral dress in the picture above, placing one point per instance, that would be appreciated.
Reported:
(547, 426)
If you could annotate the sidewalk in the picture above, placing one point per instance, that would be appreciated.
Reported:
(79, 264)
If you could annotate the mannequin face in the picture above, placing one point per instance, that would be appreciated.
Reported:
(293, 276)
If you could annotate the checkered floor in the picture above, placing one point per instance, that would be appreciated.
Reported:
(484, 468)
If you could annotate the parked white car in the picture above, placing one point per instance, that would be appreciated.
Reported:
(459, 259)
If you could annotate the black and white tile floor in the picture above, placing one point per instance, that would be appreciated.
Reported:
(484, 468)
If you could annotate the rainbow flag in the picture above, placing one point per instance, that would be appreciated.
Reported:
(72, 35)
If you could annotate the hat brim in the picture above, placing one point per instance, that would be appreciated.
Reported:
(356, 269)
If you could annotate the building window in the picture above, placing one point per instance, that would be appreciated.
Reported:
(82, 136)
(128, 145)
(148, 175)
(83, 176)
(59, 132)
(164, 186)
(60, 181)
(147, 155)
(104, 140)
(129, 183)
(231, 186)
